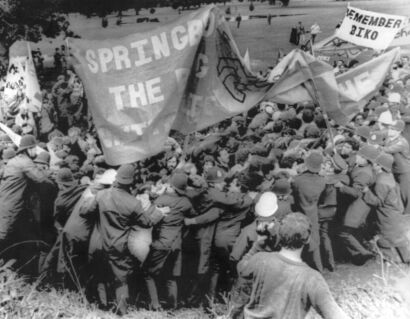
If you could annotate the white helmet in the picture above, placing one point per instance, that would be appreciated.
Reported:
(394, 97)
(267, 205)
(386, 118)
(106, 178)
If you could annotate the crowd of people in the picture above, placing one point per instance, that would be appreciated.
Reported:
(241, 207)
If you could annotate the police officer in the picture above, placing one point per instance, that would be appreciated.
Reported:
(118, 212)
(361, 176)
(19, 173)
(211, 202)
(165, 253)
(307, 188)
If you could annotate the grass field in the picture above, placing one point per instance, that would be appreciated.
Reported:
(263, 40)
(368, 292)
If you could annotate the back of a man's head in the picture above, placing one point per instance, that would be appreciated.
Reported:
(294, 231)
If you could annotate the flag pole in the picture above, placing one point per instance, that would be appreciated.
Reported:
(325, 116)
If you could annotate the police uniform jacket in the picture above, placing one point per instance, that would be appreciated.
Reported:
(307, 189)
(400, 150)
(167, 234)
(19, 172)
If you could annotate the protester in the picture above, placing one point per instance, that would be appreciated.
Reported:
(314, 31)
(284, 286)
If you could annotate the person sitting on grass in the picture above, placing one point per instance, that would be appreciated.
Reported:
(283, 285)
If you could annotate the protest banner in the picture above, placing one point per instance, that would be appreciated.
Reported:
(186, 75)
(402, 38)
(334, 49)
(353, 90)
(299, 77)
(357, 86)
(21, 89)
(370, 29)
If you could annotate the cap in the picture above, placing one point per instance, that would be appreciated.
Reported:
(65, 177)
(314, 162)
(368, 152)
(215, 175)
(281, 187)
(312, 131)
(376, 137)
(43, 158)
(385, 160)
(363, 131)
(125, 174)
(267, 205)
(250, 180)
(179, 182)
(398, 125)
(26, 142)
(8, 153)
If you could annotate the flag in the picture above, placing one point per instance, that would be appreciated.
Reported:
(21, 89)
(299, 77)
(186, 75)
(370, 29)
(402, 38)
(358, 85)
(295, 84)
(333, 49)
(247, 60)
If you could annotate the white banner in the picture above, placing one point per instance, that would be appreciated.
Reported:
(22, 89)
(402, 38)
(370, 29)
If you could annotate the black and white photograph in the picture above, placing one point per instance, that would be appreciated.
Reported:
(198, 159)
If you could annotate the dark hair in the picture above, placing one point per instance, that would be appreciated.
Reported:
(287, 162)
(294, 231)
(353, 143)
(294, 123)
(320, 121)
(308, 116)
(277, 126)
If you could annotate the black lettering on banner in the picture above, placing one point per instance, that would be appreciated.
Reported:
(359, 34)
(373, 21)
(353, 31)
(366, 34)
(374, 35)
(233, 75)
(358, 17)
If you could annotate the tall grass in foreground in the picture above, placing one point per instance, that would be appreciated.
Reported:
(386, 295)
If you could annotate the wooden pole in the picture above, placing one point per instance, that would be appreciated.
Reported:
(315, 96)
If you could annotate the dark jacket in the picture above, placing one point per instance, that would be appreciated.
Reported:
(400, 150)
(357, 211)
(389, 209)
(307, 189)
(19, 172)
(167, 234)
(118, 212)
